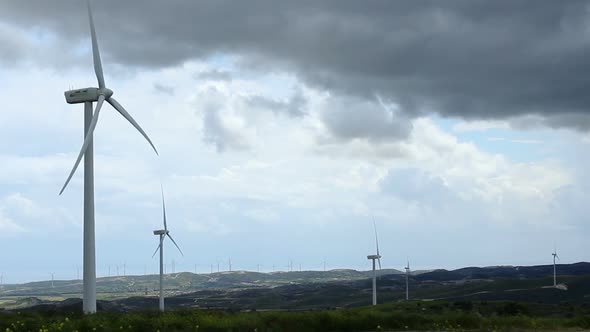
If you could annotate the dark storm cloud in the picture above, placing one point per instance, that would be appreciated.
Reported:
(473, 59)
(293, 107)
(13, 46)
(351, 117)
(164, 89)
(214, 75)
(216, 131)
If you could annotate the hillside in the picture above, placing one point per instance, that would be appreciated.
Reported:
(313, 290)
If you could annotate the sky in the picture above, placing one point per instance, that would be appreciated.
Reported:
(285, 128)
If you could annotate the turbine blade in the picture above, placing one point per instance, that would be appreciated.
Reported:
(379, 261)
(155, 252)
(87, 140)
(177, 247)
(129, 118)
(163, 208)
(95, 51)
(376, 240)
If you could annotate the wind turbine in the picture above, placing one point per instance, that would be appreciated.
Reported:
(407, 281)
(88, 96)
(162, 233)
(376, 257)
(554, 269)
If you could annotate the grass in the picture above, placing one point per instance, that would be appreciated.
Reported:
(431, 316)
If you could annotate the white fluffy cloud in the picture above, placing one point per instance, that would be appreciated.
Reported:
(19, 213)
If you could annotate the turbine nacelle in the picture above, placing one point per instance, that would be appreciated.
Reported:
(79, 96)
(373, 256)
(161, 232)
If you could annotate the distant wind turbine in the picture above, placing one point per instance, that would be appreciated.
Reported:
(554, 267)
(407, 281)
(88, 96)
(374, 258)
(162, 233)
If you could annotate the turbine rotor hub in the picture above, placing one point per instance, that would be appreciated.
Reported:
(107, 93)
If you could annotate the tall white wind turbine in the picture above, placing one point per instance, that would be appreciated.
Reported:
(162, 233)
(88, 96)
(554, 268)
(407, 280)
(376, 257)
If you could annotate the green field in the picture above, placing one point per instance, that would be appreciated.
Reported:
(425, 316)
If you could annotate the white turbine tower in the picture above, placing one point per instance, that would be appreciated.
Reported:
(88, 96)
(554, 268)
(162, 233)
(407, 280)
(373, 258)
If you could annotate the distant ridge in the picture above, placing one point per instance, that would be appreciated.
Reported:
(184, 282)
(489, 272)
(243, 290)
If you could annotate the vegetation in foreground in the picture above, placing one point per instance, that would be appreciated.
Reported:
(433, 316)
